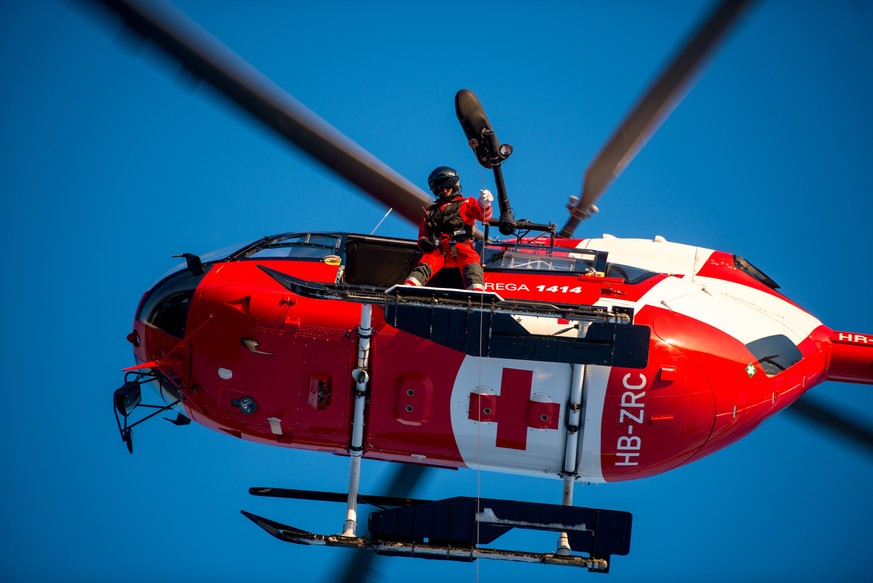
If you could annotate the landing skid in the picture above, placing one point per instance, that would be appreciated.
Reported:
(455, 528)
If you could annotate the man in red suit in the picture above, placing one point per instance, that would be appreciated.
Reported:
(445, 235)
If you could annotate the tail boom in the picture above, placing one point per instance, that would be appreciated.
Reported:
(851, 358)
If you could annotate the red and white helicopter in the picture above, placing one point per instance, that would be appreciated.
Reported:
(591, 360)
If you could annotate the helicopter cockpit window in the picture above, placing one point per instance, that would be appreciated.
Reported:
(166, 307)
(775, 353)
(297, 246)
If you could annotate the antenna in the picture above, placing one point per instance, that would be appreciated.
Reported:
(379, 224)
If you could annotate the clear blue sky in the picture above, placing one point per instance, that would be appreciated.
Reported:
(108, 168)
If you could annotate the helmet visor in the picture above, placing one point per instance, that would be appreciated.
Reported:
(440, 182)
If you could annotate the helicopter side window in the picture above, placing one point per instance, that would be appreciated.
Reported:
(300, 246)
(292, 252)
(774, 353)
(537, 259)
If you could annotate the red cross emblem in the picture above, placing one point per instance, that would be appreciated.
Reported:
(513, 409)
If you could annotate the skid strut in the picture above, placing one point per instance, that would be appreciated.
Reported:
(574, 422)
(356, 449)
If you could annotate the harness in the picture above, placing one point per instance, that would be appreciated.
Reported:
(447, 221)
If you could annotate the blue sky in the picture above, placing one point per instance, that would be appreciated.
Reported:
(110, 167)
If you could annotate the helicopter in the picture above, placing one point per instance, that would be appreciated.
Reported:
(630, 412)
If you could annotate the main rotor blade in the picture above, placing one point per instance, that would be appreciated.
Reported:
(829, 419)
(209, 59)
(663, 95)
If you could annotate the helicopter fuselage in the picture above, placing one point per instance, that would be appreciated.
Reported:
(249, 358)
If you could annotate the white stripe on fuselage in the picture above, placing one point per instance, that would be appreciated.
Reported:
(741, 311)
(543, 452)
(799, 322)
(659, 256)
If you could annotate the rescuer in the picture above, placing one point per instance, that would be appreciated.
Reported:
(445, 235)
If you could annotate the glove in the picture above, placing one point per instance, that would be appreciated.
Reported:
(427, 244)
(485, 198)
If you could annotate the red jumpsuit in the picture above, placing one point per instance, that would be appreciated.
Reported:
(449, 223)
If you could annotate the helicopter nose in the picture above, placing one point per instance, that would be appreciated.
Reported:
(165, 306)
(851, 358)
